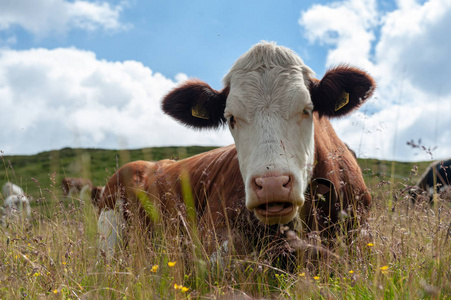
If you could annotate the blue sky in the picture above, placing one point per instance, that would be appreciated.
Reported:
(199, 38)
(92, 73)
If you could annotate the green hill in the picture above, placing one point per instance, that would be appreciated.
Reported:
(44, 171)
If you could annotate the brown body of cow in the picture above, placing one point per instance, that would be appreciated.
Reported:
(218, 192)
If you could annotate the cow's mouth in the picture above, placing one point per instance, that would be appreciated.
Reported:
(274, 209)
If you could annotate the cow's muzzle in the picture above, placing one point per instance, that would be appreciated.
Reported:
(273, 202)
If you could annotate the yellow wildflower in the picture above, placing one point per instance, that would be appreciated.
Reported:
(171, 263)
(370, 244)
(55, 291)
(180, 287)
(351, 272)
(64, 262)
(384, 269)
(302, 274)
(316, 277)
(154, 269)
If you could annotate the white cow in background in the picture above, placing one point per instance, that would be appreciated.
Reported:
(17, 204)
(15, 200)
(11, 189)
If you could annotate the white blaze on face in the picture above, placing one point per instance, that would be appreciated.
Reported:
(269, 112)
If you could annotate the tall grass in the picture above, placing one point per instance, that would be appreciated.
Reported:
(403, 252)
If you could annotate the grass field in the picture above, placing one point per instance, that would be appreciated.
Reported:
(404, 252)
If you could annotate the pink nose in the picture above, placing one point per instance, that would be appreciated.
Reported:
(273, 188)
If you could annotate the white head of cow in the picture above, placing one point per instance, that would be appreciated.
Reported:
(268, 102)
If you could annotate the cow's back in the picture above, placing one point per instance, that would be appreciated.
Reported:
(9, 189)
(130, 180)
(213, 177)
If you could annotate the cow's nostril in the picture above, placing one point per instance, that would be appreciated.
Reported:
(287, 184)
(259, 182)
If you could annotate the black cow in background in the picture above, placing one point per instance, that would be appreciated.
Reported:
(435, 180)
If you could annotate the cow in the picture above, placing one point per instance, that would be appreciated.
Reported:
(73, 186)
(287, 172)
(15, 201)
(10, 188)
(17, 204)
(435, 180)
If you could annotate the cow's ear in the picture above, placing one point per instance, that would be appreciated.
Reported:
(196, 104)
(341, 90)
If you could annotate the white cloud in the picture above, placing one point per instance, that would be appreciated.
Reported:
(415, 45)
(347, 26)
(410, 62)
(67, 97)
(42, 17)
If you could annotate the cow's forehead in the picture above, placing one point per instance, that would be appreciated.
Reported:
(264, 56)
(268, 78)
(280, 90)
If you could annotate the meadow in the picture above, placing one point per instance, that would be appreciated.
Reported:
(402, 252)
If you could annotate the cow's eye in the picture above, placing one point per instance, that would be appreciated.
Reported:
(232, 122)
(306, 113)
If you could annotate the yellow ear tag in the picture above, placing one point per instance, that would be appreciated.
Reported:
(344, 99)
(199, 111)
